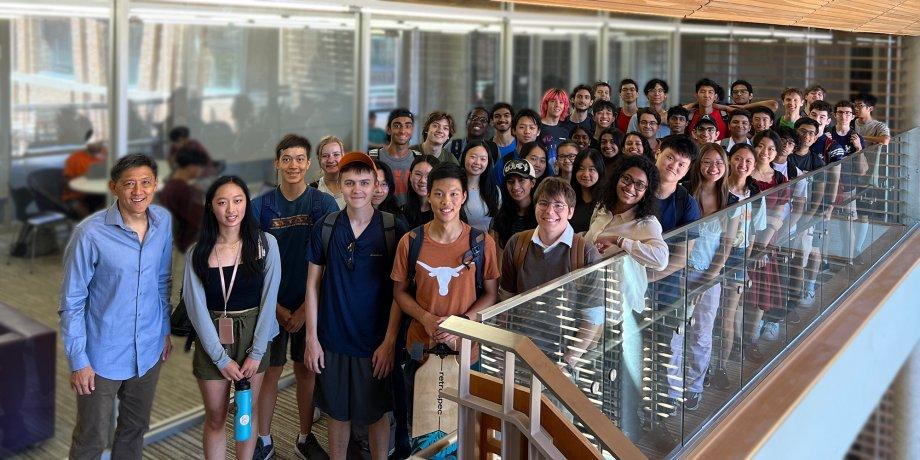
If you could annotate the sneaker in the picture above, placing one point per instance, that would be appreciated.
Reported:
(707, 380)
(752, 352)
(770, 331)
(692, 402)
(808, 299)
(720, 379)
(310, 449)
(263, 452)
(792, 317)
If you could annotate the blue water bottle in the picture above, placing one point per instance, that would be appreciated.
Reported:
(243, 422)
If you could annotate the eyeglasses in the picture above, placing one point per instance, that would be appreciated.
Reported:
(557, 206)
(648, 123)
(567, 158)
(350, 259)
(844, 112)
(627, 180)
(709, 164)
(708, 129)
(807, 132)
(479, 119)
(739, 92)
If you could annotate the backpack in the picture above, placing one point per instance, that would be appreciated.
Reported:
(269, 209)
(474, 255)
(389, 230)
(576, 253)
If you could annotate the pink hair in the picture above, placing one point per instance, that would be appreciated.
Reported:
(559, 96)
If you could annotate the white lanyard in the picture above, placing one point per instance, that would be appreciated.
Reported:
(223, 287)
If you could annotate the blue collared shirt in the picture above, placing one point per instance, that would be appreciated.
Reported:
(115, 295)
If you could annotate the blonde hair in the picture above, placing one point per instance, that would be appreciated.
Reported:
(326, 141)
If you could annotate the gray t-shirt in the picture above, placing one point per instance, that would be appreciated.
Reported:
(872, 128)
(477, 211)
(400, 167)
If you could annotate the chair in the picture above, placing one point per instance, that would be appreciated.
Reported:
(45, 190)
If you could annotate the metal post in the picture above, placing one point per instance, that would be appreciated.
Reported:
(674, 58)
(506, 61)
(6, 108)
(603, 54)
(575, 61)
(118, 81)
(362, 69)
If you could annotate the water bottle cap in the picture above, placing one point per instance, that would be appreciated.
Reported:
(241, 385)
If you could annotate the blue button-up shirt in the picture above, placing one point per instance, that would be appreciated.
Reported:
(115, 295)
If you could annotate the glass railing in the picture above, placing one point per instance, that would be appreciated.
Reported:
(742, 285)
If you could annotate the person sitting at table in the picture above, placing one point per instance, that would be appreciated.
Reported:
(183, 199)
(180, 137)
(76, 165)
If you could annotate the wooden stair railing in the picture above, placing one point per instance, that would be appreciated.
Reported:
(488, 405)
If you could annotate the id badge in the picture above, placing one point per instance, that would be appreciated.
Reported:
(225, 330)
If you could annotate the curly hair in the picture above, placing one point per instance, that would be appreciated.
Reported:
(648, 205)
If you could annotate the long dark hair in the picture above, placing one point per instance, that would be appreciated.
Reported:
(598, 159)
(250, 260)
(649, 204)
(646, 147)
(488, 189)
(508, 214)
(412, 210)
(389, 203)
(528, 147)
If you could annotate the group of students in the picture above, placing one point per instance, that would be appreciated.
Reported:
(345, 274)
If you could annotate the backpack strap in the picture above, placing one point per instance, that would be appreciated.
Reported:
(268, 211)
(328, 226)
(389, 232)
(476, 255)
(520, 248)
(577, 252)
(416, 236)
(681, 199)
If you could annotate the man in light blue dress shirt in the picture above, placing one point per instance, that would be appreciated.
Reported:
(115, 311)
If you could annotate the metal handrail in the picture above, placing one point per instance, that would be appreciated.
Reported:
(545, 373)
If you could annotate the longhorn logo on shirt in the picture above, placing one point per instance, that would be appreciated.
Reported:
(443, 275)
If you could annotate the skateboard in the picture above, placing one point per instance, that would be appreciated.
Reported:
(431, 412)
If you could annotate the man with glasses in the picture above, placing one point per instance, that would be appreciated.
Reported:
(656, 91)
(477, 127)
(705, 132)
(553, 249)
(843, 132)
(629, 96)
(649, 121)
(565, 159)
(804, 159)
(353, 326)
(873, 131)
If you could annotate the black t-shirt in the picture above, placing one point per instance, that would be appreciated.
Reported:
(581, 219)
(803, 163)
(246, 292)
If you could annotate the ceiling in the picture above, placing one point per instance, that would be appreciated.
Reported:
(897, 17)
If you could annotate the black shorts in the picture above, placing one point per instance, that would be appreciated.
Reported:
(347, 390)
(279, 347)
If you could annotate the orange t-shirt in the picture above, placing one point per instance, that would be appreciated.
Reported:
(444, 286)
(76, 165)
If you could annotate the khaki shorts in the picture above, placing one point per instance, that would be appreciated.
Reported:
(244, 329)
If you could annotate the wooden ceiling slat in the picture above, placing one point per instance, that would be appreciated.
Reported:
(898, 17)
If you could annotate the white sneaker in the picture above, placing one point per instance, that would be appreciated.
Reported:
(808, 299)
(770, 331)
